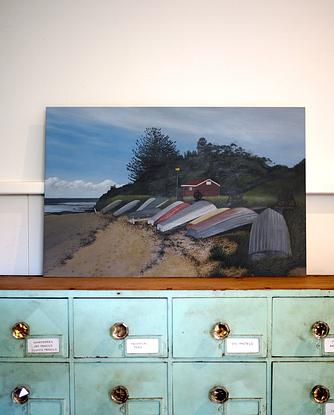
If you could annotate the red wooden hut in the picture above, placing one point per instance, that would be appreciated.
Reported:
(206, 187)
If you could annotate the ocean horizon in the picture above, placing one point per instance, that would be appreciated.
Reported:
(71, 205)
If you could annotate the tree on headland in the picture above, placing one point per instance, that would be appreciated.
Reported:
(154, 157)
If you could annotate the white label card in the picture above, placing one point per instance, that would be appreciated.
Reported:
(329, 409)
(329, 345)
(242, 345)
(142, 346)
(43, 345)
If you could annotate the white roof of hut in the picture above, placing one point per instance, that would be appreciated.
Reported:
(269, 236)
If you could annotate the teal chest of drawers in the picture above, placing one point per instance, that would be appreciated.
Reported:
(250, 352)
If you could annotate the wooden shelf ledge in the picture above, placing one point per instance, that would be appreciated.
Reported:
(113, 283)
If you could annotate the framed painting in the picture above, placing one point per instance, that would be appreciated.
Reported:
(175, 192)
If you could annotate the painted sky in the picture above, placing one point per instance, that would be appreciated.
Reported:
(87, 149)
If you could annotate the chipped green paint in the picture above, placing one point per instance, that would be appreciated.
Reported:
(245, 383)
(93, 319)
(146, 383)
(189, 362)
(194, 319)
(45, 317)
(292, 322)
(293, 383)
(48, 385)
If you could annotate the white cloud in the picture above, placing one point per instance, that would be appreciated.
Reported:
(56, 187)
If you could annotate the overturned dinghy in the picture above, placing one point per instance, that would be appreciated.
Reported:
(126, 208)
(142, 215)
(269, 236)
(111, 206)
(186, 215)
(222, 222)
(146, 204)
(209, 215)
(173, 212)
(159, 202)
(152, 203)
(162, 212)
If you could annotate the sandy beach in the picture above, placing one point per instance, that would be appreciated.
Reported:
(86, 244)
(64, 234)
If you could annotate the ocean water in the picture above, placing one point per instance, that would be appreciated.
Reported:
(69, 205)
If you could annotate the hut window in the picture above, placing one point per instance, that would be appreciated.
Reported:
(208, 182)
(190, 188)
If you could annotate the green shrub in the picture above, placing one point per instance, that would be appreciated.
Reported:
(232, 259)
(275, 266)
(217, 271)
(296, 221)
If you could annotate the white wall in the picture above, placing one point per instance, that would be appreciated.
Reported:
(159, 53)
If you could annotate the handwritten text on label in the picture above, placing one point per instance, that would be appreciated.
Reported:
(329, 345)
(142, 346)
(329, 409)
(45, 345)
(242, 345)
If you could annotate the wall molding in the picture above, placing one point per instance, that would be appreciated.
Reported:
(21, 188)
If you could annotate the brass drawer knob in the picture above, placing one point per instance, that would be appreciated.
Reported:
(320, 329)
(119, 331)
(20, 330)
(119, 394)
(220, 331)
(218, 394)
(320, 394)
(20, 394)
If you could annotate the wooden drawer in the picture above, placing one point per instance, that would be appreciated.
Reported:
(146, 385)
(46, 326)
(293, 319)
(293, 383)
(145, 320)
(245, 384)
(48, 384)
(194, 319)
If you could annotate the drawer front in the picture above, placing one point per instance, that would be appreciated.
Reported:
(194, 319)
(145, 319)
(45, 327)
(47, 383)
(293, 383)
(245, 384)
(293, 319)
(146, 385)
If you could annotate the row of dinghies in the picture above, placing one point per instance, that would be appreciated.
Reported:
(269, 234)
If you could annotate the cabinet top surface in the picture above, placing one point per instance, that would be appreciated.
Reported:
(221, 284)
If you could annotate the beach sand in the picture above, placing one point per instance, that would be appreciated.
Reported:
(64, 234)
(117, 248)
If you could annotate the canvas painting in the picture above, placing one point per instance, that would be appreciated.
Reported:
(175, 192)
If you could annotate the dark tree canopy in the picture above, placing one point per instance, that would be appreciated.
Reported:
(154, 156)
(238, 171)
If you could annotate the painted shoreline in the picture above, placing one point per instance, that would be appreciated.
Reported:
(89, 244)
(86, 244)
